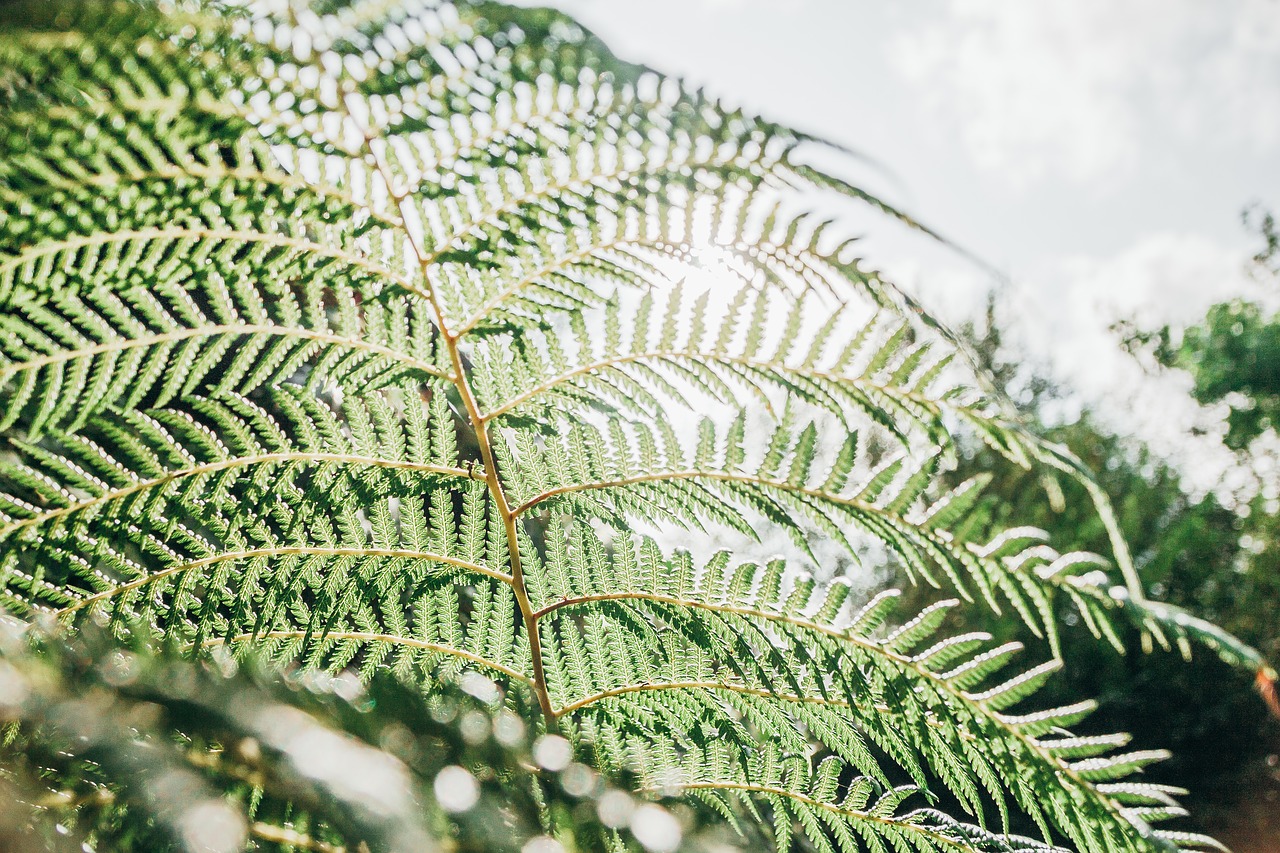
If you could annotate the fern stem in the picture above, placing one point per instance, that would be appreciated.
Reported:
(508, 517)
(227, 464)
(370, 637)
(711, 357)
(750, 612)
(938, 838)
(480, 429)
(87, 601)
(715, 476)
(746, 691)
(213, 174)
(215, 234)
(220, 329)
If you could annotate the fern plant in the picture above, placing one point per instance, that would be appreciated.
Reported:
(429, 338)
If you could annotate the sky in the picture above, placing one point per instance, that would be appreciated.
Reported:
(1097, 153)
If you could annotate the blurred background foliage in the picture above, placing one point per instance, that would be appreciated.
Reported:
(1234, 354)
(1221, 562)
(137, 747)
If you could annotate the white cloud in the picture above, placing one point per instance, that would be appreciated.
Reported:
(1080, 89)
(1063, 314)
(1059, 315)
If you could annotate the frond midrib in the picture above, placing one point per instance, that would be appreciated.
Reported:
(479, 429)
(229, 464)
(837, 379)
(214, 330)
(937, 838)
(26, 256)
(371, 637)
(210, 174)
(280, 551)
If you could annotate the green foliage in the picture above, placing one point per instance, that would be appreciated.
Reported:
(156, 752)
(1233, 354)
(1225, 562)
(1236, 352)
(365, 337)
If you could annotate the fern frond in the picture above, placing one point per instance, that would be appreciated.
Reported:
(659, 651)
(352, 333)
(642, 473)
